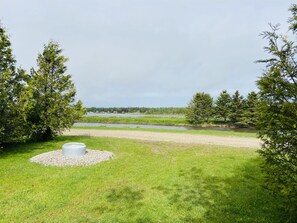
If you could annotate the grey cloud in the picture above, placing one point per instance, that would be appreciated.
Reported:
(147, 53)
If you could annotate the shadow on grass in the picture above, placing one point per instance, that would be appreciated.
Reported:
(122, 203)
(196, 197)
(126, 194)
(29, 147)
(240, 198)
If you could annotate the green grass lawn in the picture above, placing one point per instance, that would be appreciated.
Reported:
(147, 182)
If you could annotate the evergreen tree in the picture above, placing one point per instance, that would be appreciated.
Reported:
(50, 97)
(200, 108)
(237, 108)
(223, 105)
(250, 113)
(11, 86)
(278, 113)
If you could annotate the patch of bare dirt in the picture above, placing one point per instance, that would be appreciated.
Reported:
(239, 142)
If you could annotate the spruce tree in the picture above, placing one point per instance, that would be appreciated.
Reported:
(50, 97)
(278, 113)
(223, 105)
(200, 108)
(250, 113)
(11, 87)
(237, 108)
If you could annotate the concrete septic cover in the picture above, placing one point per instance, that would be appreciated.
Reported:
(74, 149)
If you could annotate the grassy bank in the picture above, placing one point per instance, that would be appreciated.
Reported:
(146, 120)
(147, 182)
(198, 131)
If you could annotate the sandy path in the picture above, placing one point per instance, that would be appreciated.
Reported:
(170, 137)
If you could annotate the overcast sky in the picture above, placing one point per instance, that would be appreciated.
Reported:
(154, 53)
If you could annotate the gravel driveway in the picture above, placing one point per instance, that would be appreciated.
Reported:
(243, 142)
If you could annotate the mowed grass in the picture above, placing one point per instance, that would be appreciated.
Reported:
(147, 182)
(145, 120)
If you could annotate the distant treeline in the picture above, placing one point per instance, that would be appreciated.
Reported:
(142, 110)
(226, 109)
(233, 110)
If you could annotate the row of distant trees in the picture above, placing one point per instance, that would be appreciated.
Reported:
(234, 110)
(228, 109)
(37, 105)
(142, 110)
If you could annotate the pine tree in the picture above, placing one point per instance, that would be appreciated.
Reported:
(200, 108)
(237, 108)
(223, 105)
(50, 97)
(250, 113)
(11, 87)
(278, 113)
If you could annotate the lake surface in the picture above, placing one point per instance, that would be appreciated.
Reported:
(162, 127)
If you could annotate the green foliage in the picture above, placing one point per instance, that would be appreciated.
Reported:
(250, 112)
(49, 101)
(11, 85)
(278, 113)
(237, 109)
(223, 105)
(200, 108)
(7, 61)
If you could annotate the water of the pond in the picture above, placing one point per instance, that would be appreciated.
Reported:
(161, 127)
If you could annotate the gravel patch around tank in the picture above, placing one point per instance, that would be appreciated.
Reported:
(56, 158)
